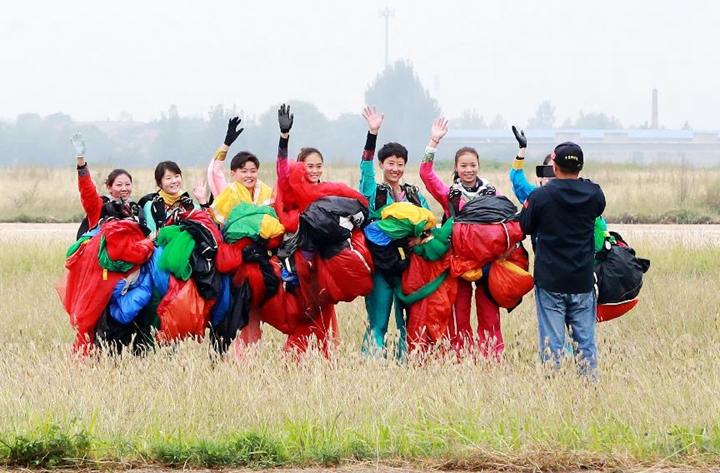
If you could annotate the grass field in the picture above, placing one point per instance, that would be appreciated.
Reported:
(634, 194)
(656, 404)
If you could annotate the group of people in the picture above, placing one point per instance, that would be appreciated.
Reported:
(246, 254)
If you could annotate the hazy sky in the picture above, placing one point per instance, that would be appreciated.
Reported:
(94, 59)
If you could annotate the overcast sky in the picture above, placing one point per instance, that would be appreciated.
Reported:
(94, 59)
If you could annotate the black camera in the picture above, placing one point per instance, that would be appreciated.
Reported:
(544, 170)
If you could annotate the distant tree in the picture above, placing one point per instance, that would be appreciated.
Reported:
(469, 120)
(409, 110)
(498, 123)
(596, 121)
(310, 129)
(686, 126)
(348, 137)
(544, 118)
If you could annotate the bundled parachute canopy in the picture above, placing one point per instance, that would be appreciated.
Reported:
(252, 221)
(619, 274)
(236, 194)
(87, 289)
(430, 291)
(299, 193)
(330, 220)
(183, 312)
(484, 230)
(509, 279)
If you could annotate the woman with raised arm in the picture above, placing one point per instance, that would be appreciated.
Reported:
(117, 202)
(466, 186)
(308, 254)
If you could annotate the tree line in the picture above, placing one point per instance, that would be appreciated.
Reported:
(397, 91)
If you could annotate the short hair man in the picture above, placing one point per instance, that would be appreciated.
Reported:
(560, 218)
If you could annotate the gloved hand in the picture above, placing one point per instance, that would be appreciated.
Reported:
(285, 118)
(76, 139)
(520, 137)
(232, 131)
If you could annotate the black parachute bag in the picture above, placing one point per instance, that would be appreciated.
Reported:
(619, 272)
(488, 209)
(330, 220)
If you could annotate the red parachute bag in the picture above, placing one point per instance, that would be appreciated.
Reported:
(85, 291)
(477, 244)
(183, 312)
(348, 274)
(607, 312)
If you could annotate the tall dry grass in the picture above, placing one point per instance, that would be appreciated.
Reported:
(634, 194)
(655, 404)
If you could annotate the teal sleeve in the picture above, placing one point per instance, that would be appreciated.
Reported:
(368, 185)
(520, 185)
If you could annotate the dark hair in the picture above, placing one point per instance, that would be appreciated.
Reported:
(460, 152)
(165, 166)
(392, 149)
(243, 157)
(305, 152)
(547, 159)
(114, 174)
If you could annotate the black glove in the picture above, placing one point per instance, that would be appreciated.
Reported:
(520, 137)
(285, 118)
(232, 131)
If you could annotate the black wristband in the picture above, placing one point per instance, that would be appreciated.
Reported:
(370, 141)
(518, 157)
(82, 167)
(283, 143)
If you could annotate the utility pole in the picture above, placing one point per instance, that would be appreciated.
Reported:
(387, 13)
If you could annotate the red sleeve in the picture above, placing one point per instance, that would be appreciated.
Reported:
(92, 203)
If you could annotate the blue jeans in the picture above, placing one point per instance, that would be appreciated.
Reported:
(577, 312)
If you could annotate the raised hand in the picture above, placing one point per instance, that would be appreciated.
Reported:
(439, 129)
(520, 137)
(373, 119)
(285, 119)
(232, 131)
(76, 139)
(200, 191)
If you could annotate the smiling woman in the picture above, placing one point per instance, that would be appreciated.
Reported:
(162, 207)
(98, 208)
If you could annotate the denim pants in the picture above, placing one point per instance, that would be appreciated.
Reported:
(577, 312)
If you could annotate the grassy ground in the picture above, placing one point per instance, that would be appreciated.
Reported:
(655, 405)
(634, 194)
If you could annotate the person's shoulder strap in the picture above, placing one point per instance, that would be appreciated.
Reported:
(412, 194)
(381, 196)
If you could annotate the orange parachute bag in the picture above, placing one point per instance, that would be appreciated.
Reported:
(429, 317)
(509, 279)
(183, 312)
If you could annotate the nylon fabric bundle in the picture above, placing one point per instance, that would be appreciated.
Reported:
(177, 245)
(252, 221)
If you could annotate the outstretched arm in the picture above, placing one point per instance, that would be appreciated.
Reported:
(215, 176)
(285, 122)
(367, 169)
(435, 186)
(89, 198)
(521, 187)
